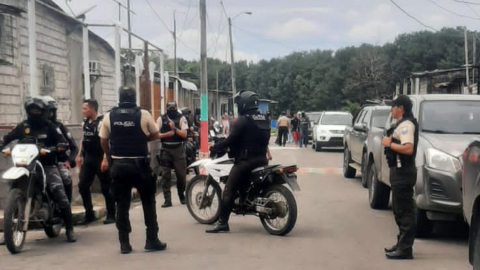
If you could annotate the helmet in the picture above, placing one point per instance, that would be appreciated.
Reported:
(37, 102)
(185, 111)
(172, 106)
(52, 107)
(246, 101)
(127, 95)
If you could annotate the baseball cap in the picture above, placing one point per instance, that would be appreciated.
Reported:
(402, 100)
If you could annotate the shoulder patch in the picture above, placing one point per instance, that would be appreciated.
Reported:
(404, 131)
(27, 130)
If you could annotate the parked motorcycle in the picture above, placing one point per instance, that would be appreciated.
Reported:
(267, 196)
(27, 200)
(191, 149)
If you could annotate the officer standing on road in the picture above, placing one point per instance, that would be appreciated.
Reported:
(248, 144)
(125, 134)
(92, 156)
(66, 162)
(172, 154)
(401, 149)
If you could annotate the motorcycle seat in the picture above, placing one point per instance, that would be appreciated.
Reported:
(259, 169)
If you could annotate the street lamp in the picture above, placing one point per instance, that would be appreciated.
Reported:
(234, 88)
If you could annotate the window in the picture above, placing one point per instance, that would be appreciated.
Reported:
(366, 119)
(379, 118)
(6, 39)
(337, 119)
(48, 80)
(360, 116)
(457, 117)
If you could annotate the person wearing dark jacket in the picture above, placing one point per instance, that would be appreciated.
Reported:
(48, 135)
(248, 144)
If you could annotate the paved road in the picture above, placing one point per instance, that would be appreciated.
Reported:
(335, 230)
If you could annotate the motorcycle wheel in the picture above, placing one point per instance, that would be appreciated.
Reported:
(14, 220)
(194, 195)
(286, 211)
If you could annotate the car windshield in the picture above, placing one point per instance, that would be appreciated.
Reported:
(379, 118)
(450, 117)
(313, 116)
(337, 119)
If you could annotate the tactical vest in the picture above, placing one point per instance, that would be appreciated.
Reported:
(91, 141)
(255, 142)
(127, 138)
(408, 160)
(175, 139)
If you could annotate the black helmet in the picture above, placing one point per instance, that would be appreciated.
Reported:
(127, 95)
(172, 106)
(246, 101)
(37, 102)
(185, 111)
(52, 107)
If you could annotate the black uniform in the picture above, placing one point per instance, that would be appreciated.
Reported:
(130, 168)
(403, 176)
(92, 155)
(65, 172)
(48, 136)
(172, 156)
(248, 144)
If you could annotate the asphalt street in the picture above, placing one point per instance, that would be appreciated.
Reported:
(335, 230)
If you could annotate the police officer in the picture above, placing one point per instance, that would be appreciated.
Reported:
(248, 144)
(90, 159)
(47, 135)
(401, 149)
(172, 154)
(124, 135)
(66, 161)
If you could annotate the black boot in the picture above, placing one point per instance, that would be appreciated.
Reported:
(110, 218)
(391, 249)
(89, 218)
(153, 243)
(182, 198)
(220, 226)
(125, 246)
(167, 203)
(70, 235)
(399, 254)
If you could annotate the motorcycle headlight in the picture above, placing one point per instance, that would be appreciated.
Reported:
(439, 160)
(20, 161)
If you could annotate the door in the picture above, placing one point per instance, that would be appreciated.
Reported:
(355, 146)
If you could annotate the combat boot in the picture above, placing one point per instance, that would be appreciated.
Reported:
(167, 203)
(110, 219)
(70, 236)
(153, 243)
(220, 226)
(124, 239)
(89, 218)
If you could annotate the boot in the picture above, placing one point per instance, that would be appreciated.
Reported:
(182, 198)
(110, 219)
(89, 218)
(220, 226)
(125, 246)
(398, 254)
(70, 236)
(153, 243)
(167, 203)
(391, 249)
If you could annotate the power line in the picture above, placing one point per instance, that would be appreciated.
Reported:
(452, 12)
(408, 14)
(466, 2)
(186, 17)
(219, 32)
(158, 16)
(188, 47)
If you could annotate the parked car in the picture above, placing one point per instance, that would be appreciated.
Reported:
(471, 197)
(446, 124)
(313, 117)
(356, 140)
(329, 129)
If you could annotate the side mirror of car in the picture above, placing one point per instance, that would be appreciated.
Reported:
(360, 127)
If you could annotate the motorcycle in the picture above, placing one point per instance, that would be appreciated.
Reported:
(215, 129)
(27, 200)
(266, 196)
(191, 150)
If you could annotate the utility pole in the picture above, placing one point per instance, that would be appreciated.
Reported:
(232, 66)
(474, 63)
(203, 78)
(175, 71)
(466, 61)
(218, 100)
(129, 26)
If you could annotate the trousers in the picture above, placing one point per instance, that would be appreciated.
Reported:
(173, 158)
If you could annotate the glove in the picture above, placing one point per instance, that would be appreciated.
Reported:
(73, 163)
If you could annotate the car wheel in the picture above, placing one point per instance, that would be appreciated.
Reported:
(364, 170)
(348, 171)
(378, 192)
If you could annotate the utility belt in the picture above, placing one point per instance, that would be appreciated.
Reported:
(250, 152)
(172, 146)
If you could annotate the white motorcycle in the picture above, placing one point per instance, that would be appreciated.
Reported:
(27, 182)
(266, 196)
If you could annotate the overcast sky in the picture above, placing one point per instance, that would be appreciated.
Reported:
(276, 27)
